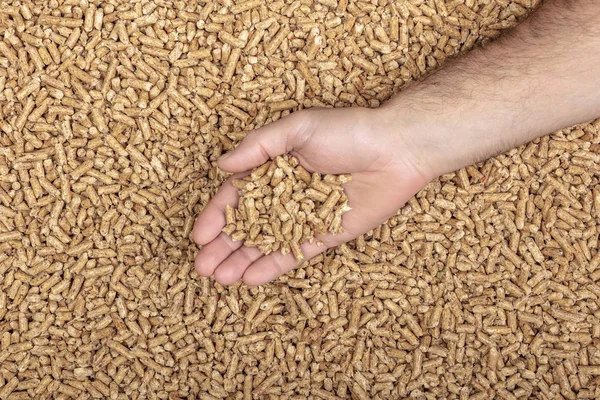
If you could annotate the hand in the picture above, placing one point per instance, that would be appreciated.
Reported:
(359, 141)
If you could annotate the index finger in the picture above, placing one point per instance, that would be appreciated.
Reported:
(272, 266)
(211, 220)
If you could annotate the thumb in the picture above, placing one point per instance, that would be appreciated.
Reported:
(268, 142)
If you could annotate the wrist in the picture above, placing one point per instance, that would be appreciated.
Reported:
(416, 137)
(448, 126)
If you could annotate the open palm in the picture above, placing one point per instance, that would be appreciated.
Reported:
(352, 140)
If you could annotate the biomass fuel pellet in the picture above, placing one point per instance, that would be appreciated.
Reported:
(112, 118)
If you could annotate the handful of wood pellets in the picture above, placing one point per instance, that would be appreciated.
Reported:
(282, 205)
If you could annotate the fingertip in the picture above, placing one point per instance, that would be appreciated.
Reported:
(197, 234)
(275, 265)
(212, 254)
(232, 269)
(208, 259)
(200, 266)
(245, 157)
(225, 277)
(202, 234)
(269, 268)
(250, 278)
(211, 220)
(223, 162)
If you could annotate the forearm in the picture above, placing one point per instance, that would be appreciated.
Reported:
(543, 76)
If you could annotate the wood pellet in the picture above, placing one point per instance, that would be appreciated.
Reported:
(282, 206)
(112, 118)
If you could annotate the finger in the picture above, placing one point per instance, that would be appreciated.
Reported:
(211, 220)
(212, 254)
(270, 267)
(232, 269)
(262, 144)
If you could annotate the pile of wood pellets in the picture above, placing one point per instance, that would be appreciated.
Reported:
(112, 117)
(282, 206)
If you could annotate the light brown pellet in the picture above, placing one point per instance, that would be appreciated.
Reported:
(112, 119)
(274, 187)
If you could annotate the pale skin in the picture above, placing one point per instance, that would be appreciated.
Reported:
(543, 76)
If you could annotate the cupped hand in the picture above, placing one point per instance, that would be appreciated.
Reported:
(363, 142)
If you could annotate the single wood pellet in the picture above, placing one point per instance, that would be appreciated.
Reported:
(112, 117)
(282, 205)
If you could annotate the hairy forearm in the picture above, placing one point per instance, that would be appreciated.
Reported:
(543, 76)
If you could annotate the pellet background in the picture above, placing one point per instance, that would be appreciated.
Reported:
(112, 115)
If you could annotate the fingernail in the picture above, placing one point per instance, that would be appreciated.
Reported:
(224, 156)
